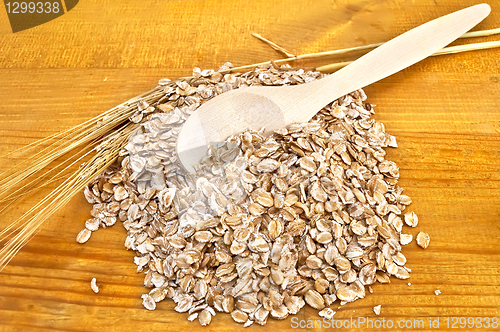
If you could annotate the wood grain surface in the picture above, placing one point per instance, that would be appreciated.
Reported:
(444, 112)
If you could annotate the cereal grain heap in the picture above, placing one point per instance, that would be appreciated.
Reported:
(310, 215)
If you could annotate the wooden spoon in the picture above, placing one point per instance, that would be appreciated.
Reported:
(277, 107)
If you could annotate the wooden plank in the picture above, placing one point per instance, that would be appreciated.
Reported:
(444, 112)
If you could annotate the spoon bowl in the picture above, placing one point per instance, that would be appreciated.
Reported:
(243, 106)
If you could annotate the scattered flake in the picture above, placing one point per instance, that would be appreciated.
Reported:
(239, 316)
(83, 236)
(148, 302)
(314, 299)
(437, 292)
(193, 316)
(92, 224)
(423, 240)
(93, 285)
(411, 219)
(405, 239)
(327, 313)
(376, 309)
(205, 317)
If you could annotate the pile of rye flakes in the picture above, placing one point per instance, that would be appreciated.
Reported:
(308, 215)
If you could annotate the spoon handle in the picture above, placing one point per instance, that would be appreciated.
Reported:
(302, 102)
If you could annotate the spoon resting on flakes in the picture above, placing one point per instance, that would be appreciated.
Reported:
(277, 107)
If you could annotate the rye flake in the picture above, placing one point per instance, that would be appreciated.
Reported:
(312, 214)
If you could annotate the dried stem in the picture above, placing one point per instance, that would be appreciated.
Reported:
(473, 34)
(481, 33)
(273, 45)
(447, 50)
(39, 178)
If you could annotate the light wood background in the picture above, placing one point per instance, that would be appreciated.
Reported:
(444, 112)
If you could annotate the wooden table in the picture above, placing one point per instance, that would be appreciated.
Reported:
(444, 112)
